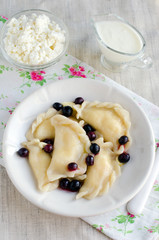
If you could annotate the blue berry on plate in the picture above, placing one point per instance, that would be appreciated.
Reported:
(64, 183)
(48, 141)
(72, 166)
(123, 140)
(48, 148)
(124, 157)
(88, 128)
(90, 160)
(74, 185)
(79, 100)
(95, 148)
(23, 152)
(91, 135)
(67, 111)
(58, 106)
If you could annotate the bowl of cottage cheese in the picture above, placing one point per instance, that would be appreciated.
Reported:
(34, 39)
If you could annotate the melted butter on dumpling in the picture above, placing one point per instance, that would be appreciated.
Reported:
(39, 161)
(42, 128)
(71, 144)
(102, 174)
(109, 119)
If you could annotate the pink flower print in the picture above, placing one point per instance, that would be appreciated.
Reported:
(157, 144)
(81, 69)
(156, 182)
(10, 111)
(33, 78)
(99, 229)
(150, 230)
(74, 73)
(82, 75)
(5, 17)
(36, 77)
(98, 75)
(60, 78)
(71, 69)
(78, 74)
(42, 72)
(131, 215)
(39, 78)
(107, 225)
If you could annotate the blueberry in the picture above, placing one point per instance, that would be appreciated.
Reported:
(88, 128)
(48, 148)
(79, 100)
(48, 141)
(23, 152)
(123, 140)
(58, 106)
(67, 111)
(124, 157)
(64, 183)
(74, 185)
(91, 135)
(72, 166)
(90, 160)
(95, 148)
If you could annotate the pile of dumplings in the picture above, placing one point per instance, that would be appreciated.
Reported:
(71, 144)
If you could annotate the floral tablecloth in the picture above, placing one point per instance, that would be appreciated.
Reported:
(16, 84)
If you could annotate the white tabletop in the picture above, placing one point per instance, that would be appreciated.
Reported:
(19, 219)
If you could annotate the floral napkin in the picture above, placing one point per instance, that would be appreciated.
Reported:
(16, 84)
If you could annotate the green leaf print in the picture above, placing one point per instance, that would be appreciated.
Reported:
(3, 125)
(130, 220)
(65, 70)
(130, 231)
(156, 186)
(153, 229)
(125, 221)
(75, 66)
(22, 75)
(2, 96)
(98, 227)
(2, 19)
(30, 78)
(95, 225)
(3, 68)
(67, 66)
(122, 219)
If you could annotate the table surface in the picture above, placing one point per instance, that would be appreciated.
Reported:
(19, 219)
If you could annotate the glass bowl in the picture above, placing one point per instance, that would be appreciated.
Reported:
(38, 66)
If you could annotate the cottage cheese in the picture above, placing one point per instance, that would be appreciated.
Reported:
(34, 40)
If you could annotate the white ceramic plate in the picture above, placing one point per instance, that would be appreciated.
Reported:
(134, 173)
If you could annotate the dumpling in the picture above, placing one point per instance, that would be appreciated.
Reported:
(71, 144)
(42, 128)
(39, 161)
(109, 119)
(102, 174)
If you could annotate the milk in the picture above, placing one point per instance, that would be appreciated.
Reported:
(119, 42)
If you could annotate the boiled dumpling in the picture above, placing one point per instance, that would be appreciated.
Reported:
(71, 144)
(102, 174)
(110, 119)
(39, 161)
(42, 128)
